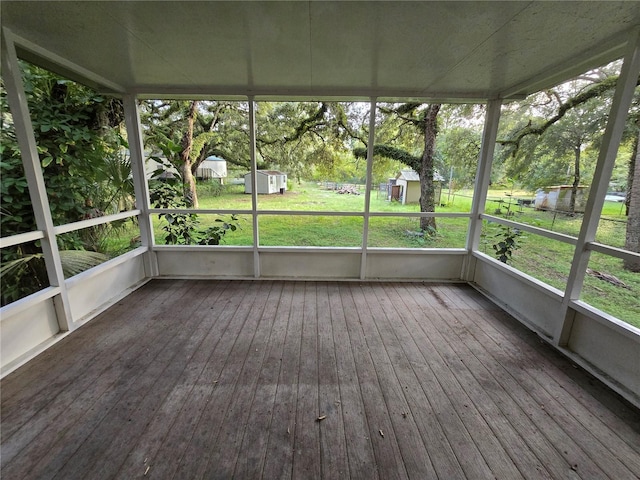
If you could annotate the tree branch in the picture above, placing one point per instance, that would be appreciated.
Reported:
(305, 125)
(593, 92)
(392, 153)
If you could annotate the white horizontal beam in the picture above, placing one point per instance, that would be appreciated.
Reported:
(20, 238)
(29, 301)
(92, 222)
(613, 251)
(321, 213)
(606, 319)
(198, 211)
(560, 237)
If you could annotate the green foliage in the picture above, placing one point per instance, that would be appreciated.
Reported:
(77, 261)
(508, 242)
(394, 153)
(458, 148)
(211, 188)
(215, 234)
(85, 171)
(552, 137)
(21, 274)
(220, 128)
(185, 228)
(583, 95)
(79, 147)
(16, 215)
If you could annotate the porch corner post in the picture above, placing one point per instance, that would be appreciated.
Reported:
(254, 186)
(483, 178)
(141, 188)
(369, 181)
(33, 172)
(604, 167)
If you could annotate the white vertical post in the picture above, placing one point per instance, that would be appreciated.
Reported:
(33, 173)
(254, 186)
(367, 198)
(610, 142)
(483, 178)
(141, 188)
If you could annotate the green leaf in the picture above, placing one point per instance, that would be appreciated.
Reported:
(76, 261)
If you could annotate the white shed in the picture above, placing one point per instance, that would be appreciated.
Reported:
(269, 181)
(212, 167)
(558, 198)
(409, 182)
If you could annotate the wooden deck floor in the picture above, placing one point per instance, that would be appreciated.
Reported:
(306, 380)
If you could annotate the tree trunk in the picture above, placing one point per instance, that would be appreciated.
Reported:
(632, 242)
(632, 168)
(427, 194)
(576, 180)
(188, 180)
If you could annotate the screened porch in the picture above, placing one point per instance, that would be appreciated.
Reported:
(324, 361)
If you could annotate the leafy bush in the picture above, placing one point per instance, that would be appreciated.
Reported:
(85, 171)
(508, 243)
(184, 228)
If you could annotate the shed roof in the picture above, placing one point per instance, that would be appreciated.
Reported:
(214, 158)
(412, 176)
(426, 50)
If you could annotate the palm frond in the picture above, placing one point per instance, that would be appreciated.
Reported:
(77, 261)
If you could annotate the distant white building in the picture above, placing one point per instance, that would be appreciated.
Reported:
(558, 198)
(212, 167)
(407, 185)
(269, 181)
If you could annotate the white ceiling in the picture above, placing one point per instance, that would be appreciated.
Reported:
(320, 49)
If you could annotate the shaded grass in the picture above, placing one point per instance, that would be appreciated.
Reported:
(620, 302)
(302, 231)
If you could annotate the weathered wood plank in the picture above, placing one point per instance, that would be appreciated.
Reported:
(307, 431)
(181, 386)
(448, 398)
(577, 422)
(105, 379)
(362, 462)
(475, 382)
(621, 440)
(224, 418)
(333, 447)
(38, 383)
(182, 397)
(281, 444)
(29, 380)
(387, 452)
(254, 443)
(222, 379)
(385, 353)
(522, 396)
(237, 420)
(152, 437)
(420, 408)
(138, 395)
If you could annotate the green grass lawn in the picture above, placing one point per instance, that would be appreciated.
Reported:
(542, 258)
